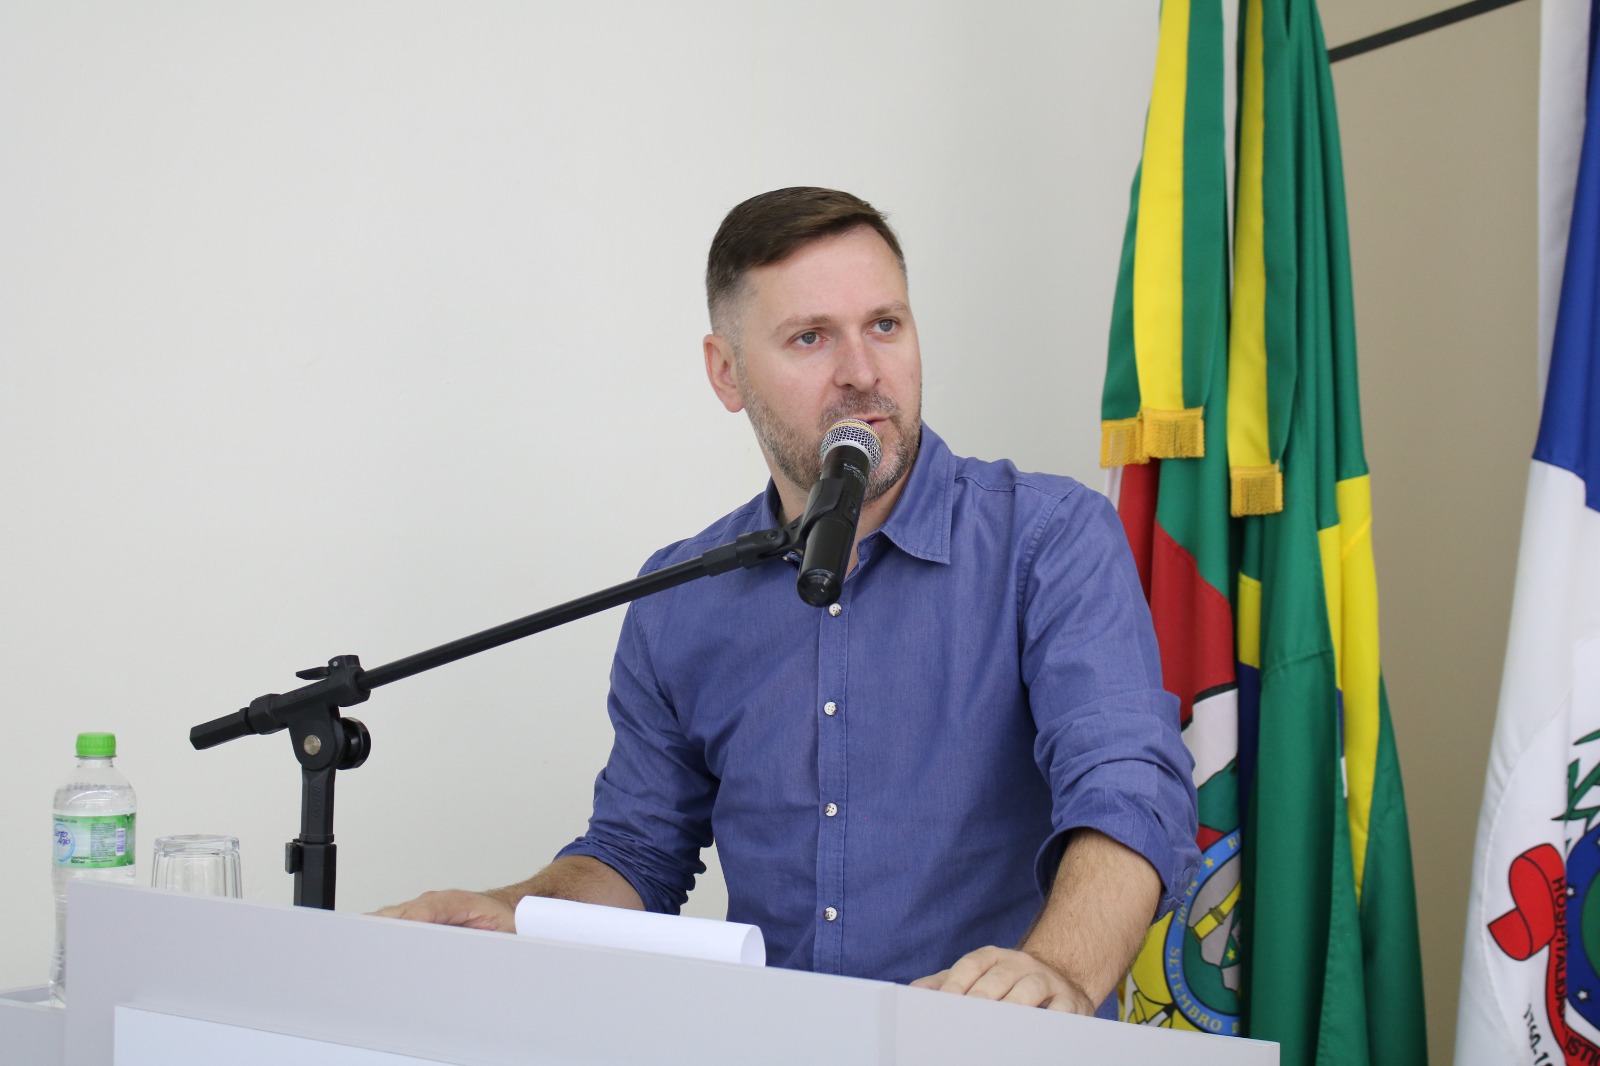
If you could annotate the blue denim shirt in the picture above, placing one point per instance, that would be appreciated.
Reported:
(889, 785)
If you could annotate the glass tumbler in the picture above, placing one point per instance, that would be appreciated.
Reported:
(200, 863)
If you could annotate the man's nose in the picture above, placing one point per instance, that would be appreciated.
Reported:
(856, 366)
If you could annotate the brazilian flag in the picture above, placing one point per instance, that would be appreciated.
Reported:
(1319, 909)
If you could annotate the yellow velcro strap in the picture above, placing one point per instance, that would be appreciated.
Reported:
(1175, 434)
(1256, 490)
(1122, 442)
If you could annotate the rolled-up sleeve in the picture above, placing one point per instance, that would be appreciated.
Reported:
(1109, 740)
(653, 799)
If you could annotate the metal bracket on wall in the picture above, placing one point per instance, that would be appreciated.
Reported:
(1440, 19)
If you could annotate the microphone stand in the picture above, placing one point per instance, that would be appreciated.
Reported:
(325, 742)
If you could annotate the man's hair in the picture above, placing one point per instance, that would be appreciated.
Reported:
(769, 228)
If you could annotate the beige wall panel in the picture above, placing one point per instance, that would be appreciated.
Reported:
(1440, 137)
(1348, 20)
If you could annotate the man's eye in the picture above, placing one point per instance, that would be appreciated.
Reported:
(887, 325)
(809, 337)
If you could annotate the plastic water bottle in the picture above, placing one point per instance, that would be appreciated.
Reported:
(92, 836)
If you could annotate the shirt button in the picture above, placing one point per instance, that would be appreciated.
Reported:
(835, 610)
(830, 708)
(831, 809)
(830, 914)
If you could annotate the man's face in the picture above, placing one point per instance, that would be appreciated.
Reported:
(822, 335)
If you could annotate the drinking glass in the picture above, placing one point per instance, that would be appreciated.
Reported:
(200, 863)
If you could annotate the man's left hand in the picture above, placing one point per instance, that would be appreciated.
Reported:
(1010, 977)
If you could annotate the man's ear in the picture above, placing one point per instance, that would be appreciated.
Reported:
(721, 373)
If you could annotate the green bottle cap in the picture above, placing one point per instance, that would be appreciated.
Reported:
(97, 745)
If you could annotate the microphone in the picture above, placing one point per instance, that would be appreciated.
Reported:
(850, 451)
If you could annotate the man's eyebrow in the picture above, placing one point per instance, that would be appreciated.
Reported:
(794, 322)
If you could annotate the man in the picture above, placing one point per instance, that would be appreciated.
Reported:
(893, 782)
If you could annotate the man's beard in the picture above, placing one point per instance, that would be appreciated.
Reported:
(797, 456)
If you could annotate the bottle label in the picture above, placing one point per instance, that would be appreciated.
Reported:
(94, 842)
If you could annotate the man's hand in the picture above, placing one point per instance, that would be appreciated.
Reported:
(575, 877)
(1103, 899)
(1009, 977)
(475, 910)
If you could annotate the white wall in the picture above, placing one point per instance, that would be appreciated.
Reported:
(355, 327)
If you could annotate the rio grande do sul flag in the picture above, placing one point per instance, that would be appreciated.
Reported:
(1168, 317)
(1530, 981)
(1175, 510)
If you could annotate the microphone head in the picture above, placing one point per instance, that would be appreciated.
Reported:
(856, 434)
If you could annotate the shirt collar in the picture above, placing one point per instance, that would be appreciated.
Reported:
(919, 525)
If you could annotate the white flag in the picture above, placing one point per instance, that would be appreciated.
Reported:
(1530, 976)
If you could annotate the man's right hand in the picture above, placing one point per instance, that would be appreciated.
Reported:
(454, 906)
(574, 877)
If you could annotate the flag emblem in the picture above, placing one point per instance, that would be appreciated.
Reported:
(1201, 949)
(1555, 914)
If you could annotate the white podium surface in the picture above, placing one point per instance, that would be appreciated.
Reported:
(32, 1031)
(149, 1038)
(468, 997)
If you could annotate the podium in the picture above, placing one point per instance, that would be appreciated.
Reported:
(160, 977)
